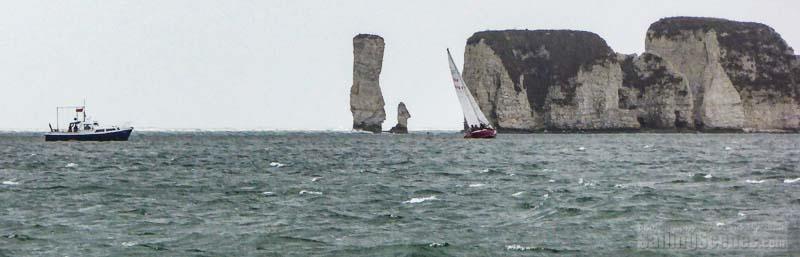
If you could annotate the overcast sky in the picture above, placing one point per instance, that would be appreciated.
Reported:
(283, 64)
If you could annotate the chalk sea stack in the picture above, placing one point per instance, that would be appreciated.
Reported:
(402, 120)
(366, 100)
(696, 74)
(546, 79)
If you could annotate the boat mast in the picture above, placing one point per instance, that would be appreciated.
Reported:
(58, 112)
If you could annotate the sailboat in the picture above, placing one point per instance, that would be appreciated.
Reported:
(476, 124)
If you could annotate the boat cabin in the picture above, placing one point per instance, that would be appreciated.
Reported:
(79, 126)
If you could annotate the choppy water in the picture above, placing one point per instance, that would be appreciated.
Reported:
(340, 194)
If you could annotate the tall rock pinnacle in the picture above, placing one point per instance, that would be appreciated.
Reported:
(402, 120)
(366, 100)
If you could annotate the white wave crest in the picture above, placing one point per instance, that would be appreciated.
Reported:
(476, 185)
(303, 192)
(438, 244)
(421, 199)
(754, 181)
(10, 183)
(276, 164)
(519, 248)
(791, 180)
(71, 165)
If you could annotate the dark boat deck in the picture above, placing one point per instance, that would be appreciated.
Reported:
(117, 135)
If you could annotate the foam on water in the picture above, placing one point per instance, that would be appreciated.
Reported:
(10, 183)
(476, 185)
(438, 244)
(519, 248)
(585, 183)
(754, 181)
(71, 165)
(421, 199)
(791, 180)
(276, 164)
(304, 192)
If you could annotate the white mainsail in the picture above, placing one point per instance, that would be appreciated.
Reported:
(472, 113)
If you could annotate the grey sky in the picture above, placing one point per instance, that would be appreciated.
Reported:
(282, 64)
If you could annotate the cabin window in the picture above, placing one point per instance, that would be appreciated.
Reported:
(87, 127)
(101, 130)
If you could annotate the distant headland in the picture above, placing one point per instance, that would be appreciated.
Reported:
(696, 74)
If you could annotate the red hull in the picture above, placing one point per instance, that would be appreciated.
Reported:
(483, 133)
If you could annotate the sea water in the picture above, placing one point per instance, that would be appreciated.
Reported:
(422, 194)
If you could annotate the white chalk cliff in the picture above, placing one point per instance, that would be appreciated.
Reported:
(559, 80)
(697, 74)
(739, 72)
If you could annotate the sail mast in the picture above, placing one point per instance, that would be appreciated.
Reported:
(472, 113)
(469, 114)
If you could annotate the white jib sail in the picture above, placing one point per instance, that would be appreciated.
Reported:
(472, 113)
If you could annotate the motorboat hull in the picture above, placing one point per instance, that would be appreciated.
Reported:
(482, 133)
(117, 135)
